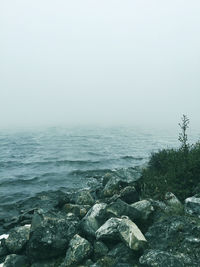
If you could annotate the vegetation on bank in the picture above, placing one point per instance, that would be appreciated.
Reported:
(175, 170)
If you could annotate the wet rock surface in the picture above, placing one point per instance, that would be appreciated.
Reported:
(106, 225)
(79, 249)
(50, 234)
(18, 239)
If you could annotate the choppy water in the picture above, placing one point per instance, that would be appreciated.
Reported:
(39, 160)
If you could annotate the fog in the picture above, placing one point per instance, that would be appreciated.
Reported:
(132, 62)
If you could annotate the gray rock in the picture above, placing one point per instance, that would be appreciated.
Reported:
(79, 249)
(157, 258)
(144, 207)
(173, 203)
(192, 206)
(100, 249)
(84, 197)
(50, 235)
(129, 194)
(78, 210)
(122, 229)
(123, 254)
(119, 208)
(48, 263)
(18, 239)
(109, 230)
(105, 261)
(3, 249)
(93, 219)
(88, 262)
(14, 260)
(120, 179)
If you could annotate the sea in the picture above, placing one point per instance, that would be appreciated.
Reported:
(52, 158)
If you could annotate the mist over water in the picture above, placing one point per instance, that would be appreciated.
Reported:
(99, 62)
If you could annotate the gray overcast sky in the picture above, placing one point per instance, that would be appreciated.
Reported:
(112, 62)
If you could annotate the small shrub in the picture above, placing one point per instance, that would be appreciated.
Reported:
(173, 170)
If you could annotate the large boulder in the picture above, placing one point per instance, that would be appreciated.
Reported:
(18, 239)
(95, 217)
(123, 229)
(50, 234)
(14, 260)
(192, 206)
(79, 249)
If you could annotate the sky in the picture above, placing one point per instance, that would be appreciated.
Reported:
(106, 62)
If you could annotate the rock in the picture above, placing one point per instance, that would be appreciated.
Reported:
(79, 249)
(122, 229)
(144, 207)
(18, 239)
(119, 208)
(106, 178)
(88, 262)
(129, 194)
(78, 210)
(48, 263)
(173, 203)
(113, 186)
(109, 230)
(120, 179)
(50, 234)
(105, 261)
(131, 235)
(192, 206)
(3, 249)
(158, 258)
(123, 254)
(94, 219)
(84, 197)
(100, 249)
(14, 260)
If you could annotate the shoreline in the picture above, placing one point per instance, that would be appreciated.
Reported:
(106, 225)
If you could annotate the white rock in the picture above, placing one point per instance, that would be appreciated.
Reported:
(122, 229)
(192, 206)
(145, 207)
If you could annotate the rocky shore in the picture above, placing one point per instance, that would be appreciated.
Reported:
(105, 225)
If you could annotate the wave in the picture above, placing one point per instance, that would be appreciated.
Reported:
(90, 173)
(12, 164)
(17, 182)
(132, 158)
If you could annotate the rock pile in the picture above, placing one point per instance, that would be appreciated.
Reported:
(107, 225)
